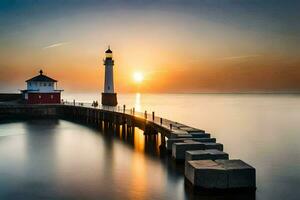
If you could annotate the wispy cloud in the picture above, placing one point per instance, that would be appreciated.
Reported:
(239, 57)
(55, 45)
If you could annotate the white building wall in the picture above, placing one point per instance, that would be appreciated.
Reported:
(109, 80)
(41, 86)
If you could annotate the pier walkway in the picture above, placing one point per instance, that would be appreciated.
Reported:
(206, 165)
(170, 128)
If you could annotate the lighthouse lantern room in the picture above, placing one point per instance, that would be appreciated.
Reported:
(109, 97)
(42, 89)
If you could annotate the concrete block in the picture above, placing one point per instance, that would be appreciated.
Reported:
(179, 149)
(206, 174)
(210, 145)
(205, 139)
(211, 154)
(171, 141)
(220, 174)
(240, 174)
(189, 140)
(191, 129)
(200, 135)
(176, 135)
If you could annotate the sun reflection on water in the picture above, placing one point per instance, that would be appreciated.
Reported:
(138, 102)
(139, 141)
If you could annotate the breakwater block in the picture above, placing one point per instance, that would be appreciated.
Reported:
(171, 141)
(181, 135)
(191, 129)
(220, 174)
(200, 135)
(211, 154)
(205, 139)
(210, 145)
(179, 149)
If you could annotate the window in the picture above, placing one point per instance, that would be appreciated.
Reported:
(50, 84)
(29, 84)
(45, 84)
(51, 96)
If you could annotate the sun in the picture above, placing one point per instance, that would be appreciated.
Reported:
(138, 77)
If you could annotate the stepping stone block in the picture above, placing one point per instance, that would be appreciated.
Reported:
(191, 129)
(205, 139)
(220, 174)
(217, 146)
(179, 149)
(208, 145)
(200, 135)
(171, 141)
(181, 135)
(210, 154)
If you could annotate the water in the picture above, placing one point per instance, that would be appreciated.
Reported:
(61, 159)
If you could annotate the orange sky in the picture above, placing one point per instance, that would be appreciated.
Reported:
(177, 49)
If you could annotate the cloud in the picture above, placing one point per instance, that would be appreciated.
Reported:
(55, 45)
(239, 57)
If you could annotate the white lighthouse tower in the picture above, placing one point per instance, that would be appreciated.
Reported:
(109, 97)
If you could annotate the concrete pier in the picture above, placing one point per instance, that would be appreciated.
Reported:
(205, 140)
(180, 135)
(171, 141)
(220, 174)
(184, 141)
(200, 135)
(179, 149)
(210, 154)
(210, 145)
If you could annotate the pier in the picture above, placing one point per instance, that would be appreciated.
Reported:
(206, 165)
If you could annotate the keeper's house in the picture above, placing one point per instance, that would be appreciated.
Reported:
(41, 89)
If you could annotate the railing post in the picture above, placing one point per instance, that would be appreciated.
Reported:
(74, 102)
(145, 114)
(171, 126)
(133, 111)
(160, 121)
(152, 116)
(124, 108)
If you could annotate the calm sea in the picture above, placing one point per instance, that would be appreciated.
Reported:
(58, 159)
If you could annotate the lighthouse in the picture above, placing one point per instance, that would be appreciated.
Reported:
(109, 97)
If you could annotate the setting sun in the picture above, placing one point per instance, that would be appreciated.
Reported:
(138, 77)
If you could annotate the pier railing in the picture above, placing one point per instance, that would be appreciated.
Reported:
(150, 117)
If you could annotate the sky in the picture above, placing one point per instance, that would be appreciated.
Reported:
(180, 46)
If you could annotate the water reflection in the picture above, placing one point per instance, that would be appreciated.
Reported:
(138, 102)
(64, 160)
(172, 171)
(262, 130)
